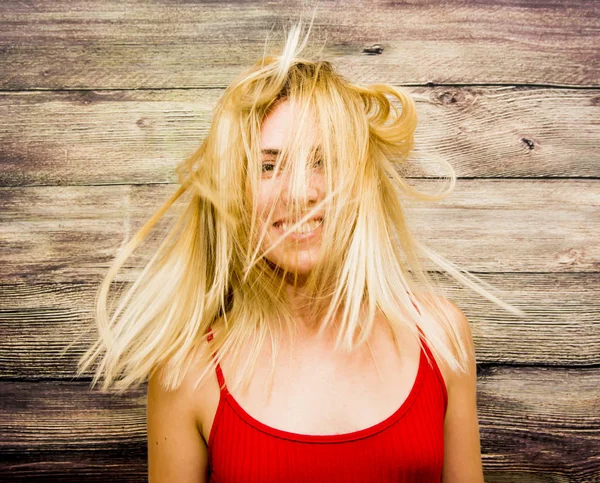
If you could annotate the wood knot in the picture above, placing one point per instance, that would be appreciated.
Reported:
(529, 143)
(570, 256)
(374, 49)
(85, 97)
(143, 122)
(449, 97)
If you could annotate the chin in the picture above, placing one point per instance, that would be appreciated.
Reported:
(301, 267)
(301, 270)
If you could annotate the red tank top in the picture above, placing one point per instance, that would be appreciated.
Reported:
(407, 446)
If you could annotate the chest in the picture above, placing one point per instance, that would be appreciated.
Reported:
(316, 391)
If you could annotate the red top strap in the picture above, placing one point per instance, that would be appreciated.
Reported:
(218, 370)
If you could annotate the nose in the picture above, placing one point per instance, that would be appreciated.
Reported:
(304, 190)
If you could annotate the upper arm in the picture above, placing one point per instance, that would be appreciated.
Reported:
(176, 449)
(462, 450)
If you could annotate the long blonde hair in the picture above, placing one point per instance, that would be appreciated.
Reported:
(209, 266)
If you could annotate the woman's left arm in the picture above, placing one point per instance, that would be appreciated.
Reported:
(462, 450)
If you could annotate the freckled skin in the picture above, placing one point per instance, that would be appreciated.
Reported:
(302, 257)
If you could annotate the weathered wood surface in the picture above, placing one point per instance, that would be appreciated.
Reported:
(539, 424)
(129, 44)
(71, 233)
(38, 321)
(107, 137)
(542, 420)
(98, 100)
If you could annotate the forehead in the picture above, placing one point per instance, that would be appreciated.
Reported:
(278, 126)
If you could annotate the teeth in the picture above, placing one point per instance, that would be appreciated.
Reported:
(304, 228)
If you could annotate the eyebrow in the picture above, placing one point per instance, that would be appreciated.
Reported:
(275, 152)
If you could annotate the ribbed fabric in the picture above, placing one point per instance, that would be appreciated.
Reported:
(408, 446)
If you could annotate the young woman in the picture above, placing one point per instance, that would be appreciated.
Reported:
(286, 326)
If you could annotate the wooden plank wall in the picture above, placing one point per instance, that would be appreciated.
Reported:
(100, 100)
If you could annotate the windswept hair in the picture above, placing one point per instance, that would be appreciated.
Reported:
(210, 267)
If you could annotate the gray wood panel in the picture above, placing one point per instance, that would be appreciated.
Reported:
(138, 136)
(70, 233)
(154, 44)
(37, 322)
(539, 422)
(100, 100)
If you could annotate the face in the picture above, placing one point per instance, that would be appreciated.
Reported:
(298, 252)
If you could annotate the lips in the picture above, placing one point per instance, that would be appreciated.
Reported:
(304, 232)
(279, 223)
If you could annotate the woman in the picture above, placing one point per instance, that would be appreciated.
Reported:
(286, 326)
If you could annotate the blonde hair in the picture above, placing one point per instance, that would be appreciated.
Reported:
(209, 266)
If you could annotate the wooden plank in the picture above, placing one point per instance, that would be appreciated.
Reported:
(130, 44)
(71, 234)
(537, 425)
(38, 321)
(72, 124)
(61, 431)
(540, 424)
(108, 137)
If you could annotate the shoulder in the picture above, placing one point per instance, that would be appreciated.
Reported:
(459, 320)
(463, 329)
(193, 397)
(462, 456)
(176, 448)
(455, 315)
(458, 316)
(183, 397)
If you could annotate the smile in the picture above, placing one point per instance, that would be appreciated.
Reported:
(304, 231)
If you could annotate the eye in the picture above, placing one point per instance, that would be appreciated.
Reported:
(268, 167)
(318, 163)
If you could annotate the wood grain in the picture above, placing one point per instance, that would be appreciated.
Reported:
(539, 424)
(100, 100)
(82, 44)
(542, 419)
(38, 321)
(59, 234)
(134, 137)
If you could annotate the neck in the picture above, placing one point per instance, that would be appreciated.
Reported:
(308, 323)
(300, 305)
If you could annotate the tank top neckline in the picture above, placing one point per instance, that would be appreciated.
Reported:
(226, 396)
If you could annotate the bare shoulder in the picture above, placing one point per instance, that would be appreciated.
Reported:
(176, 450)
(461, 325)
(456, 316)
(462, 453)
(202, 394)
(178, 422)
(459, 319)
(205, 394)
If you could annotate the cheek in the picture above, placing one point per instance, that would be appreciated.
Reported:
(265, 200)
(266, 195)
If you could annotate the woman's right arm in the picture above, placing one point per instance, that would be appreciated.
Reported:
(176, 448)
